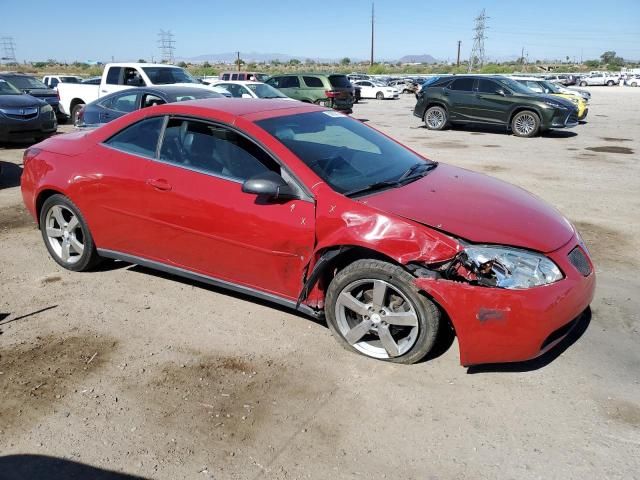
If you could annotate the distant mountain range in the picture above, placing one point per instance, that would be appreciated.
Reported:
(282, 57)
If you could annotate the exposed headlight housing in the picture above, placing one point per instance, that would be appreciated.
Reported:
(507, 267)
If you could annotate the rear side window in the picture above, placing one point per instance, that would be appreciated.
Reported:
(313, 82)
(339, 81)
(113, 75)
(125, 103)
(289, 82)
(213, 149)
(463, 84)
(140, 138)
(225, 76)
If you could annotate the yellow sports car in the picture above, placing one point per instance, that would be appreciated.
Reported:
(544, 86)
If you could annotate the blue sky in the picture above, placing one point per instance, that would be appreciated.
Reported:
(99, 30)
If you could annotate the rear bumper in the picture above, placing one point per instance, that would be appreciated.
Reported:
(499, 325)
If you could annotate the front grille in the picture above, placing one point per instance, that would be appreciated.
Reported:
(579, 260)
(21, 117)
(572, 118)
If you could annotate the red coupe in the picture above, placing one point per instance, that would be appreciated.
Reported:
(312, 209)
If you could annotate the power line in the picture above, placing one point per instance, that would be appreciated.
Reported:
(167, 46)
(477, 51)
(8, 50)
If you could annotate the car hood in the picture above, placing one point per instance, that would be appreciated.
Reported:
(477, 208)
(17, 101)
(40, 92)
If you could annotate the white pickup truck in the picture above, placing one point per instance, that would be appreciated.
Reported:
(120, 76)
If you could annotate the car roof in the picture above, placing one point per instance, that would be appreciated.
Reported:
(161, 89)
(532, 79)
(239, 107)
(240, 82)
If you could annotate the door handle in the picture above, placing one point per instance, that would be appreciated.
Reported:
(159, 184)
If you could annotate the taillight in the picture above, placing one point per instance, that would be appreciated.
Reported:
(80, 115)
(331, 93)
(29, 154)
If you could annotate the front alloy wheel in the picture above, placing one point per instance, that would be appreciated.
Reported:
(525, 124)
(373, 308)
(66, 234)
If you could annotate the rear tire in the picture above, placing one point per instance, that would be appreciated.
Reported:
(525, 124)
(583, 84)
(373, 308)
(436, 118)
(75, 111)
(66, 234)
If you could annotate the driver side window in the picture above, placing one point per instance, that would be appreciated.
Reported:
(214, 149)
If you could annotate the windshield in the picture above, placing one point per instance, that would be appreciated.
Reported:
(551, 87)
(342, 151)
(195, 94)
(339, 81)
(515, 86)
(265, 91)
(69, 79)
(168, 75)
(26, 83)
(8, 89)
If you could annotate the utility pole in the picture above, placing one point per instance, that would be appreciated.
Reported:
(238, 60)
(8, 50)
(477, 52)
(372, 30)
(458, 61)
(167, 46)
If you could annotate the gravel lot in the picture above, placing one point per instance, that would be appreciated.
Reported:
(133, 371)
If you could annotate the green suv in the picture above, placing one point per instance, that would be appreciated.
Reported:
(333, 91)
(492, 100)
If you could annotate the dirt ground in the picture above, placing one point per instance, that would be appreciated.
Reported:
(131, 371)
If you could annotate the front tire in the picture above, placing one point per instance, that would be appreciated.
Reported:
(525, 124)
(380, 96)
(66, 234)
(374, 309)
(610, 83)
(583, 84)
(436, 118)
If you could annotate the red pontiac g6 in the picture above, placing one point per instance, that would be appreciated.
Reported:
(312, 209)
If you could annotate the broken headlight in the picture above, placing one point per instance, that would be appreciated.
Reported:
(507, 267)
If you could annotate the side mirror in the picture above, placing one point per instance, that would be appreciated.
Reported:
(246, 95)
(500, 92)
(270, 185)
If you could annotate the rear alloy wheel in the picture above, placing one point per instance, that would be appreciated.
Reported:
(583, 84)
(380, 96)
(525, 124)
(435, 118)
(374, 309)
(66, 234)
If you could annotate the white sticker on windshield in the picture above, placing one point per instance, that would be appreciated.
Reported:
(333, 113)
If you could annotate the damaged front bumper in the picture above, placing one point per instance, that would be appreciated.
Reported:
(496, 325)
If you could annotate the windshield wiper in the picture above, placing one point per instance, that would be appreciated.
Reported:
(405, 178)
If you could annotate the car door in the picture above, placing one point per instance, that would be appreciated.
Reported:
(460, 96)
(111, 194)
(203, 222)
(119, 105)
(493, 102)
(367, 89)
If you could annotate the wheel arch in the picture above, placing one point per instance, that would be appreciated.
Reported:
(42, 197)
(434, 103)
(74, 102)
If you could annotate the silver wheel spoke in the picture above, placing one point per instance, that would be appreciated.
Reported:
(65, 252)
(73, 223)
(349, 301)
(359, 331)
(379, 293)
(57, 214)
(387, 340)
(54, 232)
(405, 319)
(76, 245)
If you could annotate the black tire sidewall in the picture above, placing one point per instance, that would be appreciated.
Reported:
(535, 132)
(74, 113)
(380, 96)
(89, 256)
(428, 313)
